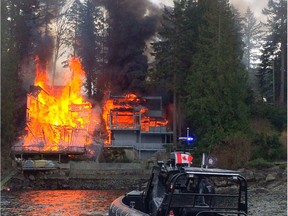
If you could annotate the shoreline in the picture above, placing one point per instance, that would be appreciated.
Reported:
(123, 176)
(267, 188)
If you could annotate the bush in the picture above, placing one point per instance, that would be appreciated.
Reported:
(234, 151)
(259, 163)
(169, 148)
(268, 147)
(277, 116)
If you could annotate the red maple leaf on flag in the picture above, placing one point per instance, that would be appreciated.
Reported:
(183, 158)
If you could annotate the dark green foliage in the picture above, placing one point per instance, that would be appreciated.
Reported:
(8, 104)
(216, 90)
(199, 57)
(173, 56)
(276, 116)
(265, 72)
(173, 52)
(268, 147)
(15, 32)
(272, 73)
(259, 163)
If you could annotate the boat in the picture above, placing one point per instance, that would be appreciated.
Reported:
(181, 189)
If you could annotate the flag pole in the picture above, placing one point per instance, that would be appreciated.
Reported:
(186, 143)
(203, 160)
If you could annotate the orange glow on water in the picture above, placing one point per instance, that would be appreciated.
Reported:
(61, 202)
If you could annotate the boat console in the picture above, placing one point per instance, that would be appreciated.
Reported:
(186, 191)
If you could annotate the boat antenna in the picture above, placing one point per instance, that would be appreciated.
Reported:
(186, 143)
(187, 138)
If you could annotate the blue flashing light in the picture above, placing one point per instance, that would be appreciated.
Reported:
(190, 139)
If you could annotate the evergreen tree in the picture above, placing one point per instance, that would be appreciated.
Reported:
(216, 88)
(16, 17)
(73, 16)
(273, 67)
(8, 74)
(266, 72)
(91, 28)
(252, 36)
(173, 54)
(48, 13)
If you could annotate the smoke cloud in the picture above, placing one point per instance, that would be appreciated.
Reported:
(256, 7)
(132, 23)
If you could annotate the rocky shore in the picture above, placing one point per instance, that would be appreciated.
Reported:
(54, 180)
(267, 191)
(269, 199)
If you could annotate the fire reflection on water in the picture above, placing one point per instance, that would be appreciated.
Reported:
(58, 202)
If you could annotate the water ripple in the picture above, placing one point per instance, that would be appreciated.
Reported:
(57, 202)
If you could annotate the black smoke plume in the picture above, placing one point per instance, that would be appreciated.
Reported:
(44, 49)
(131, 24)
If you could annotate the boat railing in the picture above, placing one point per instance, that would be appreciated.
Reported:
(196, 200)
(211, 201)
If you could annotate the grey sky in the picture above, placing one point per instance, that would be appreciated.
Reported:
(255, 5)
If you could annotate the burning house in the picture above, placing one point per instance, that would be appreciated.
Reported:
(136, 122)
(59, 121)
(58, 118)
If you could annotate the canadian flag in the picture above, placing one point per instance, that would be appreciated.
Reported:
(183, 158)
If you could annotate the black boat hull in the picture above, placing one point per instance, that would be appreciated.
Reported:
(119, 208)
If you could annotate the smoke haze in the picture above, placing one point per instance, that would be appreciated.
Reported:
(255, 5)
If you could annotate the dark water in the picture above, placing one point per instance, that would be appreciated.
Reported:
(57, 202)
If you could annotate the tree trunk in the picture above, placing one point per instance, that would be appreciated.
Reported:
(54, 66)
(174, 114)
(282, 74)
(282, 69)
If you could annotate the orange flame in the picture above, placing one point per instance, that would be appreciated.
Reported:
(128, 112)
(57, 117)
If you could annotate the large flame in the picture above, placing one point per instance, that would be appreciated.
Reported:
(57, 117)
(129, 112)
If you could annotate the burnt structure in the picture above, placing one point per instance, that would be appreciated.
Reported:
(137, 123)
(65, 134)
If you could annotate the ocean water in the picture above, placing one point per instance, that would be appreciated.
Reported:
(57, 202)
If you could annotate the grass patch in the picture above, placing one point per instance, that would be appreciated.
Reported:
(259, 163)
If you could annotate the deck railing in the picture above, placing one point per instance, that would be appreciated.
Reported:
(141, 146)
(47, 149)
